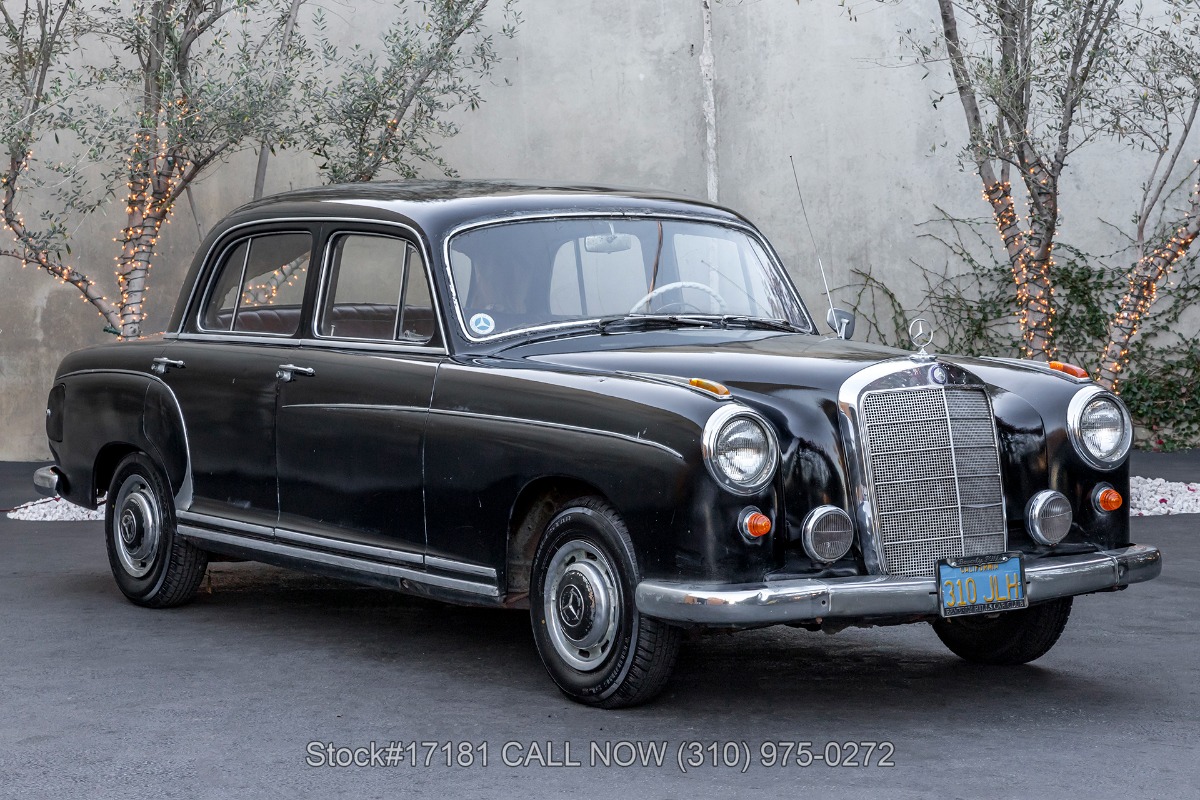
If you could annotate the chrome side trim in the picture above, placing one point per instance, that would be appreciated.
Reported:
(558, 426)
(881, 596)
(380, 553)
(450, 565)
(359, 407)
(342, 561)
(45, 480)
(211, 521)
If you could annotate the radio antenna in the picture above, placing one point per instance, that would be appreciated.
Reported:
(824, 279)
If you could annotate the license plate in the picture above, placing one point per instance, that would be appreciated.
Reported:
(981, 584)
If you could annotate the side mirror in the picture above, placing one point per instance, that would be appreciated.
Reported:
(841, 321)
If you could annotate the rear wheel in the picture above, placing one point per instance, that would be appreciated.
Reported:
(153, 566)
(1013, 637)
(594, 643)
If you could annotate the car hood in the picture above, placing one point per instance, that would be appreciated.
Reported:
(748, 362)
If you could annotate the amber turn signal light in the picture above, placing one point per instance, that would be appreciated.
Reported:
(754, 524)
(720, 390)
(1069, 369)
(1109, 499)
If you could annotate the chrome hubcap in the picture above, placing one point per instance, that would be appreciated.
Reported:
(582, 603)
(138, 528)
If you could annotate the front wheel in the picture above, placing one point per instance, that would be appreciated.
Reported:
(153, 566)
(594, 643)
(1012, 637)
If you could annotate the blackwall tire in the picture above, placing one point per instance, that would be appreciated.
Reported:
(1013, 637)
(153, 566)
(596, 646)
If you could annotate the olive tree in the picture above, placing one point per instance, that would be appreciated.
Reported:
(384, 108)
(1040, 80)
(145, 97)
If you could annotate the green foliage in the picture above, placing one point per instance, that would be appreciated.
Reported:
(384, 109)
(972, 302)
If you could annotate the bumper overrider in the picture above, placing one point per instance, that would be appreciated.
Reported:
(881, 595)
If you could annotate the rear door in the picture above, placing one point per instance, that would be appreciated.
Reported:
(222, 369)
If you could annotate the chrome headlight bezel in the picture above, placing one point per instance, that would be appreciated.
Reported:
(713, 430)
(1076, 411)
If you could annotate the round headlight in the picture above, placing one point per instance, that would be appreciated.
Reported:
(740, 450)
(1100, 427)
(1048, 517)
(828, 534)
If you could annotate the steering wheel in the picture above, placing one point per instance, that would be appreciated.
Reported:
(704, 287)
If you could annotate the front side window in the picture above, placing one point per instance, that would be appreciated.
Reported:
(260, 285)
(535, 273)
(377, 290)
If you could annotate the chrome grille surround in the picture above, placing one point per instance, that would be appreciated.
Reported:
(925, 458)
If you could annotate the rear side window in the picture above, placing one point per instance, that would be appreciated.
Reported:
(260, 285)
(377, 290)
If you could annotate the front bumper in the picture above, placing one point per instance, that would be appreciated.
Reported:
(880, 595)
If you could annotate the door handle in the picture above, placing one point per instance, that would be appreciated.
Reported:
(160, 365)
(286, 372)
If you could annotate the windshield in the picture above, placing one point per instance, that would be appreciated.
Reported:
(536, 273)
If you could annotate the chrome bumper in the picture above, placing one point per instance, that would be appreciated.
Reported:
(46, 481)
(880, 595)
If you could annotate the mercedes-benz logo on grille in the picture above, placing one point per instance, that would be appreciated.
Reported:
(938, 374)
(920, 332)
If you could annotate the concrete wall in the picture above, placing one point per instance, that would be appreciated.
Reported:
(592, 90)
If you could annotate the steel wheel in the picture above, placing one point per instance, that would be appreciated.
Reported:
(138, 529)
(595, 644)
(583, 605)
(151, 564)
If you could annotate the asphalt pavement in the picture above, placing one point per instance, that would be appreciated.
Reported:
(242, 692)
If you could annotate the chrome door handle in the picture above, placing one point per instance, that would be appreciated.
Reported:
(288, 371)
(160, 365)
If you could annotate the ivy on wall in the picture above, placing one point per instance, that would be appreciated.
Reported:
(975, 312)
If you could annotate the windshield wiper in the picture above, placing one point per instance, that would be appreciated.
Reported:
(732, 321)
(653, 322)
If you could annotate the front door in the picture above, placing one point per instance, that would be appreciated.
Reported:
(351, 419)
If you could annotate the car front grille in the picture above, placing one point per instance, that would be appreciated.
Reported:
(934, 476)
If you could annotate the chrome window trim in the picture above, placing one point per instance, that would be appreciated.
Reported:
(1079, 402)
(212, 279)
(206, 263)
(850, 396)
(323, 287)
(647, 214)
(712, 429)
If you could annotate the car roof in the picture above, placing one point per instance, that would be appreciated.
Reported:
(437, 206)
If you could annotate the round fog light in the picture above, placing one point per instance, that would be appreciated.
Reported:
(828, 534)
(1048, 517)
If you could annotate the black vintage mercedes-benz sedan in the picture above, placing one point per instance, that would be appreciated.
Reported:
(609, 407)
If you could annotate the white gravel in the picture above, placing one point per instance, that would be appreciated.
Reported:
(1151, 497)
(1154, 497)
(54, 509)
